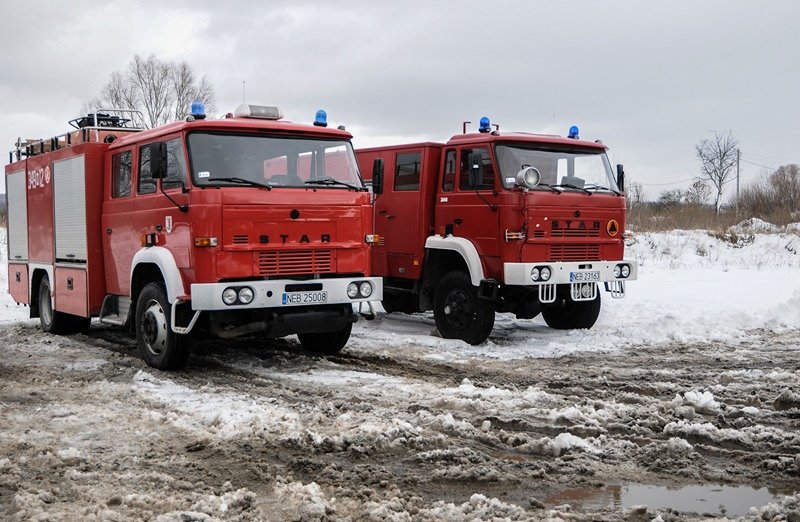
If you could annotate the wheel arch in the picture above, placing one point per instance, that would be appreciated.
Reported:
(37, 274)
(445, 255)
(156, 264)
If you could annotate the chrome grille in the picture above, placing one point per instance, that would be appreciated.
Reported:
(574, 252)
(294, 262)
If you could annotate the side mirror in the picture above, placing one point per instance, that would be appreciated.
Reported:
(475, 160)
(158, 160)
(377, 176)
(620, 178)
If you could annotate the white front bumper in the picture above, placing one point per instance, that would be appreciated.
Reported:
(565, 273)
(269, 294)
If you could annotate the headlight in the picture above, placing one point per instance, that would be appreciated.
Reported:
(534, 274)
(229, 296)
(365, 289)
(616, 270)
(352, 290)
(545, 273)
(246, 295)
(626, 270)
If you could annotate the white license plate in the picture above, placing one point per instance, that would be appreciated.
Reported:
(299, 298)
(585, 276)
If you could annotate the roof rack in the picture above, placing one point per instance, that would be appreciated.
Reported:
(102, 126)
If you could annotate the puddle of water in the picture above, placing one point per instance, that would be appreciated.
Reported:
(726, 500)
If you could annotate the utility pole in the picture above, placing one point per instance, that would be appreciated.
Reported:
(738, 157)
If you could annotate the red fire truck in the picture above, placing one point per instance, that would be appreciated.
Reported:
(230, 227)
(498, 222)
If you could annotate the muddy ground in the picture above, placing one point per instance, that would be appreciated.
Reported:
(257, 430)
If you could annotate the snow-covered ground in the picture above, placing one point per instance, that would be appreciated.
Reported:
(690, 381)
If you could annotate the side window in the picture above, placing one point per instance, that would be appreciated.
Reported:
(121, 174)
(146, 185)
(487, 171)
(406, 171)
(176, 165)
(449, 178)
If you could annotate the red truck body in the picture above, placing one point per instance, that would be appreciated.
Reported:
(240, 225)
(464, 208)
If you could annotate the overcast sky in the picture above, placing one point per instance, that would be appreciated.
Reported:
(649, 79)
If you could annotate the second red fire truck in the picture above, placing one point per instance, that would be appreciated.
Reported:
(498, 222)
(240, 225)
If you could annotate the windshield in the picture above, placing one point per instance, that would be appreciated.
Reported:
(272, 161)
(587, 169)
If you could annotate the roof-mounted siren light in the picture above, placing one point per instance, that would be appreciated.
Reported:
(198, 110)
(485, 125)
(321, 118)
(573, 132)
(263, 112)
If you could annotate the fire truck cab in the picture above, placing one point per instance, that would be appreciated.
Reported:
(232, 226)
(498, 222)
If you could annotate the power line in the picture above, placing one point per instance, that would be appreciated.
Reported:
(758, 164)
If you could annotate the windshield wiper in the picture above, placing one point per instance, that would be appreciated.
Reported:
(570, 185)
(601, 187)
(243, 181)
(331, 181)
(551, 187)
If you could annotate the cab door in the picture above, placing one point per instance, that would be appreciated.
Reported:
(398, 213)
(466, 209)
(120, 241)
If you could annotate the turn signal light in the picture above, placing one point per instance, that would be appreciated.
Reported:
(205, 241)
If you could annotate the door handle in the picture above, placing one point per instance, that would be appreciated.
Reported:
(457, 221)
(108, 231)
(389, 216)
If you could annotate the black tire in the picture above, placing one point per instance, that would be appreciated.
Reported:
(566, 314)
(458, 311)
(161, 348)
(52, 321)
(326, 343)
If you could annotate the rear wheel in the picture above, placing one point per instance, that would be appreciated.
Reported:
(327, 343)
(566, 314)
(52, 321)
(160, 347)
(459, 312)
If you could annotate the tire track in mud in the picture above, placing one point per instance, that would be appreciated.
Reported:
(502, 432)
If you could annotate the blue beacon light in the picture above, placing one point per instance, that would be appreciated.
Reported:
(573, 132)
(198, 110)
(321, 119)
(485, 125)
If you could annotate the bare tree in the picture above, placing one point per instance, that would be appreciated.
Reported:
(162, 91)
(718, 161)
(635, 194)
(698, 193)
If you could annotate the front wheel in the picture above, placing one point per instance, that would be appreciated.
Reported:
(160, 347)
(459, 312)
(326, 343)
(566, 314)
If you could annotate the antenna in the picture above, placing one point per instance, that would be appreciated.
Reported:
(243, 92)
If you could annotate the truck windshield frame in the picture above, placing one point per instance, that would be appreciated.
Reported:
(558, 166)
(271, 160)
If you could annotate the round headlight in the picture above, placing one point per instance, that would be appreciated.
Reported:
(352, 290)
(229, 296)
(626, 270)
(365, 289)
(528, 176)
(545, 272)
(534, 274)
(246, 295)
(586, 290)
(616, 270)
